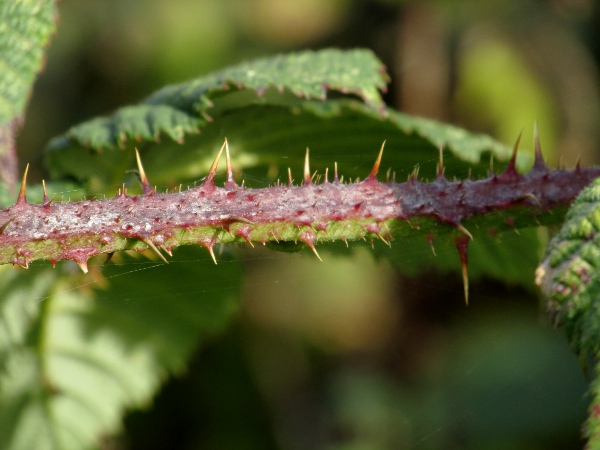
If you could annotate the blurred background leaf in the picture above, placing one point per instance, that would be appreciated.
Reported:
(76, 356)
(442, 375)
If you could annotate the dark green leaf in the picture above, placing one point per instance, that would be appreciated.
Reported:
(275, 137)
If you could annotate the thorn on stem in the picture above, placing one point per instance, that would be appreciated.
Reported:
(82, 265)
(151, 245)
(212, 254)
(247, 239)
(388, 243)
(440, 172)
(210, 177)
(463, 230)
(45, 198)
(22, 199)
(511, 168)
(538, 165)
(373, 174)
(462, 244)
(308, 238)
(146, 186)
(430, 240)
(208, 245)
(307, 177)
(167, 250)
(230, 183)
(312, 247)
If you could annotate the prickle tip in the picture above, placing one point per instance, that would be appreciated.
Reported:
(375, 169)
(512, 163)
(462, 245)
(230, 182)
(146, 186)
(151, 245)
(539, 165)
(441, 168)
(307, 177)
(22, 199)
(210, 177)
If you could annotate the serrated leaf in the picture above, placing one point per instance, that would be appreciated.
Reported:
(267, 136)
(306, 74)
(179, 110)
(568, 274)
(73, 362)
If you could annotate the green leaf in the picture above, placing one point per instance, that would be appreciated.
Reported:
(268, 139)
(25, 28)
(265, 127)
(183, 109)
(569, 276)
(72, 362)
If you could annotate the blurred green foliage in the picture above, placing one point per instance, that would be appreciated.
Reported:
(400, 362)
